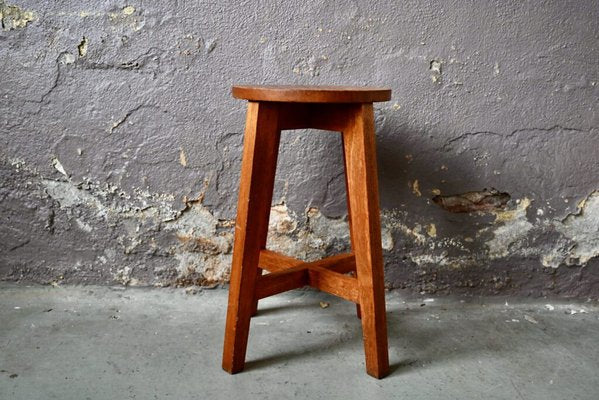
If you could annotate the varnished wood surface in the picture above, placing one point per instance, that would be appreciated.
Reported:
(265, 120)
(337, 284)
(360, 162)
(289, 273)
(312, 94)
(273, 262)
(260, 150)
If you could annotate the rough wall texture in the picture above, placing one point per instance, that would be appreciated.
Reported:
(120, 143)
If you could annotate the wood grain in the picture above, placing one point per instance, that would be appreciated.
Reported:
(270, 110)
(311, 94)
(332, 282)
(260, 149)
(281, 281)
(326, 275)
(362, 181)
(348, 202)
(273, 261)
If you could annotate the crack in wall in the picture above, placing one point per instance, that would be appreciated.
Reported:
(85, 69)
(117, 124)
(463, 136)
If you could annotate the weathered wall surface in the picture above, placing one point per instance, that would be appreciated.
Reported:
(120, 142)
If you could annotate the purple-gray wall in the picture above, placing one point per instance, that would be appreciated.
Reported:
(120, 142)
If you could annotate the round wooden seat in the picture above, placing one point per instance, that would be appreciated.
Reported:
(312, 94)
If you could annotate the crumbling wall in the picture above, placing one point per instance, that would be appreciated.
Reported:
(120, 142)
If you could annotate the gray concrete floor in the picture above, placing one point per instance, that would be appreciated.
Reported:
(110, 343)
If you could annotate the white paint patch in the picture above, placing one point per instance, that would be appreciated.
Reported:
(313, 240)
(281, 221)
(514, 229)
(206, 268)
(68, 195)
(83, 47)
(197, 221)
(390, 220)
(387, 239)
(579, 242)
(431, 230)
(182, 158)
(13, 17)
(66, 58)
(123, 276)
(58, 166)
(83, 225)
(583, 229)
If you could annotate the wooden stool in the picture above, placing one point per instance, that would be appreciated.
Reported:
(272, 109)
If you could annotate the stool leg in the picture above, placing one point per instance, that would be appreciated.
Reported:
(351, 236)
(360, 157)
(260, 148)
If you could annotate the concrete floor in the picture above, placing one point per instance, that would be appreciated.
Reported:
(110, 343)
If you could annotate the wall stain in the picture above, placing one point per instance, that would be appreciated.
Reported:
(117, 203)
(484, 200)
(195, 246)
(513, 229)
(14, 17)
(580, 232)
(82, 47)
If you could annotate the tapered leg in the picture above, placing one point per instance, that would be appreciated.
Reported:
(351, 236)
(360, 157)
(260, 148)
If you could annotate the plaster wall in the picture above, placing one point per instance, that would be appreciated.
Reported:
(120, 143)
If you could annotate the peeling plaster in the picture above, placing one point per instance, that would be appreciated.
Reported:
(120, 116)
(310, 239)
(583, 229)
(512, 231)
(431, 230)
(484, 200)
(66, 58)
(435, 67)
(13, 17)
(182, 158)
(416, 188)
(580, 230)
(201, 245)
(58, 166)
(127, 16)
(123, 276)
(391, 221)
(205, 243)
(82, 47)
(128, 10)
